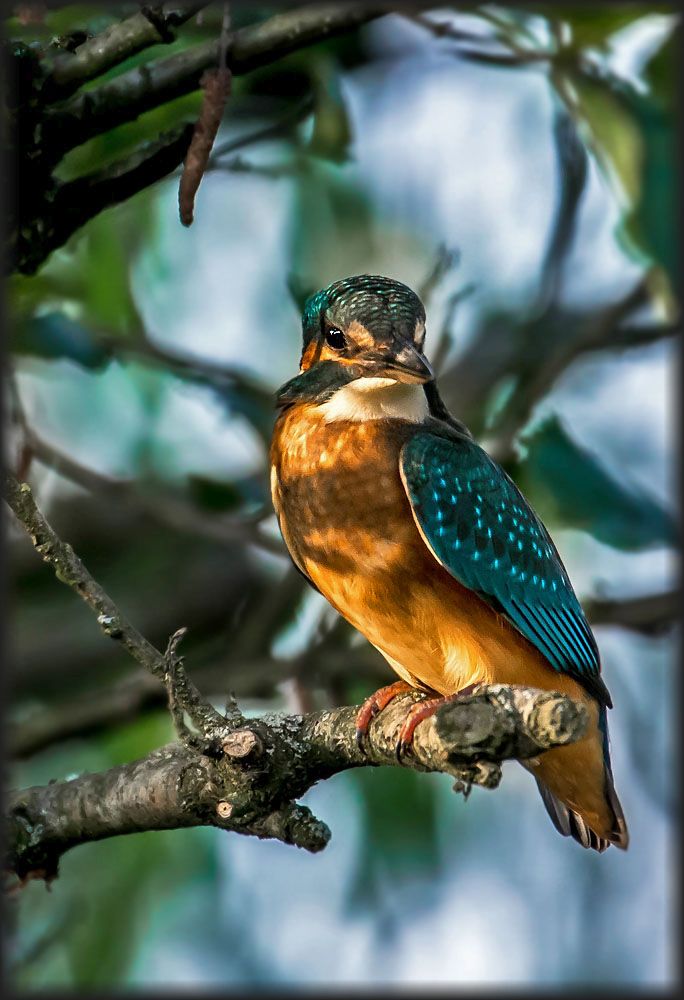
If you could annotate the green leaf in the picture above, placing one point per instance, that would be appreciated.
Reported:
(567, 483)
(633, 136)
(652, 224)
(610, 131)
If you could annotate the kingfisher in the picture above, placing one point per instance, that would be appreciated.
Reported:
(419, 539)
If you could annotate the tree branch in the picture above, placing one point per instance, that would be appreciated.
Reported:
(513, 54)
(538, 351)
(80, 715)
(651, 614)
(70, 570)
(539, 370)
(266, 764)
(76, 202)
(47, 212)
(114, 45)
(276, 130)
(166, 509)
(146, 87)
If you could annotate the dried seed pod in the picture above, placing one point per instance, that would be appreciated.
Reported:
(216, 84)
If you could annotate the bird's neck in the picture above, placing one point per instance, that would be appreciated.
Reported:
(375, 399)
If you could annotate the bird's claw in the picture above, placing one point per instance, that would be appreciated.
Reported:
(401, 748)
(361, 731)
(372, 706)
(415, 715)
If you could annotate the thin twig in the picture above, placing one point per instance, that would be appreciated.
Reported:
(275, 130)
(445, 260)
(70, 570)
(162, 507)
(540, 369)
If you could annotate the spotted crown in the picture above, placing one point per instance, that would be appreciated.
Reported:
(381, 304)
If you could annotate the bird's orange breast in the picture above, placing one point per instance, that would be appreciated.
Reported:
(347, 522)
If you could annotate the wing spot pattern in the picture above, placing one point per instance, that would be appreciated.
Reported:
(535, 594)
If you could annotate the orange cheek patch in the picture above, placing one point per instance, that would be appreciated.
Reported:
(328, 354)
(309, 356)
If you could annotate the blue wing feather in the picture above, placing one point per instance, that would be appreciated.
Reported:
(483, 531)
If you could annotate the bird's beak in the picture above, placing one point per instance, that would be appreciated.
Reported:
(409, 365)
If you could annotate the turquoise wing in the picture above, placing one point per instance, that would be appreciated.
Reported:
(481, 529)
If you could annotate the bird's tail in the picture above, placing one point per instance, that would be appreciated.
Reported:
(572, 823)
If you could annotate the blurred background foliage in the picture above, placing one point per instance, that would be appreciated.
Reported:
(517, 166)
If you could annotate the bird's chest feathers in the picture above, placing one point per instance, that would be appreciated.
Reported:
(338, 494)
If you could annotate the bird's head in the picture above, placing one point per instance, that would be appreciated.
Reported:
(365, 333)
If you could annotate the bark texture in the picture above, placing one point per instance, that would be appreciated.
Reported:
(250, 774)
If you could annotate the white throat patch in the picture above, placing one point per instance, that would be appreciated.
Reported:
(376, 399)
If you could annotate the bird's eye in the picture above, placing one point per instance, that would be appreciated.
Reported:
(335, 338)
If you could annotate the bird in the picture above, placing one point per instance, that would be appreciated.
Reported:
(418, 538)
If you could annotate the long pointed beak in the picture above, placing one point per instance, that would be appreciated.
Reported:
(409, 365)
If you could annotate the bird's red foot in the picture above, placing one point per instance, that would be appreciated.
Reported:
(423, 710)
(371, 706)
